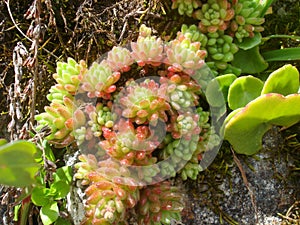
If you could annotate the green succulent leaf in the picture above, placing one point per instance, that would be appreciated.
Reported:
(250, 61)
(40, 196)
(49, 213)
(17, 164)
(220, 83)
(249, 43)
(243, 90)
(246, 128)
(284, 80)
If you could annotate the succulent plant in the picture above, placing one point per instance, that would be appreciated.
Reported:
(100, 81)
(144, 102)
(260, 106)
(215, 15)
(184, 55)
(123, 126)
(159, 204)
(69, 74)
(128, 144)
(110, 193)
(186, 6)
(59, 118)
(98, 119)
(184, 125)
(219, 46)
(119, 59)
(194, 34)
(147, 50)
(221, 49)
(247, 19)
(182, 91)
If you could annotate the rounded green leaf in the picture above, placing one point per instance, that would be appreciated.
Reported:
(243, 90)
(59, 189)
(220, 83)
(250, 61)
(250, 42)
(245, 129)
(49, 213)
(17, 164)
(63, 173)
(284, 80)
(40, 196)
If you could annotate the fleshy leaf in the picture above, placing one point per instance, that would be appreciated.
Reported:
(17, 164)
(246, 128)
(243, 90)
(250, 61)
(220, 83)
(283, 81)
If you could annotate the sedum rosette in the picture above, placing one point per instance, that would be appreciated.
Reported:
(159, 204)
(215, 15)
(110, 193)
(247, 20)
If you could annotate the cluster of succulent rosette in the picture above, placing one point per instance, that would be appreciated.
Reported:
(133, 134)
(223, 26)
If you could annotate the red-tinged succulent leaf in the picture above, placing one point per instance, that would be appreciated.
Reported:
(104, 185)
(121, 193)
(94, 197)
(245, 129)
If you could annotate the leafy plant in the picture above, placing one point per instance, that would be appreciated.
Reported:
(257, 107)
(47, 195)
(18, 164)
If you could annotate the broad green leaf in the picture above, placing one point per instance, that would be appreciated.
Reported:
(250, 61)
(63, 173)
(49, 213)
(249, 43)
(214, 94)
(220, 83)
(243, 90)
(283, 81)
(232, 114)
(59, 189)
(246, 128)
(40, 196)
(17, 164)
(285, 54)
